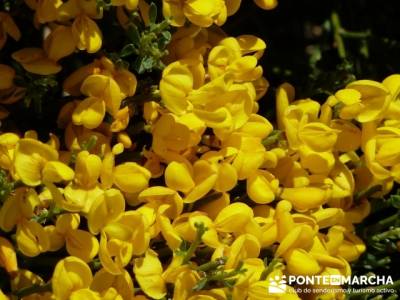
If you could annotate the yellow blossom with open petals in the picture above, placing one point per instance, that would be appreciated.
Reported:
(148, 272)
(70, 274)
(363, 100)
(36, 61)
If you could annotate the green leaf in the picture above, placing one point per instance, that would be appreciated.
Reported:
(164, 40)
(133, 34)
(128, 50)
(148, 63)
(153, 13)
(200, 284)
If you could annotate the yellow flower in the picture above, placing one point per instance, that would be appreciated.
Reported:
(59, 43)
(8, 141)
(105, 208)
(245, 246)
(130, 177)
(114, 253)
(70, 274)
(86, 34)
(184, 284)
(305, 198)
(188, 41)
(103, 66)
(173, 136)
(201, 178)
(159, 195)
(381, 157)
(8, 28)
(233, 218)
(176, 83)
(84, 294)
(363, 100)
(80, 194)
(300, 262)
(103, 94)
(201, 13)
(8, 258)
(248, 153)
(219, 163)
(121, 120)
(344, 243)
(79, 243)
(102, 281)
(18, 206)
(226, 58)
(148, 271)
(392, 83)
(32, 239)
(36, 61)
(128, 235)
(262, 187)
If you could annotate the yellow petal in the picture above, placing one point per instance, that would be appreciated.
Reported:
(55, 171)
(59, 43)
(103, 280)
(30, 158)
(105, 88)
(86, 294)
(227, 178)
(32, 238)
(82, 244)
(262, 187)
(131, 177)
(148, 272)
(87, 34)
(178, 177)
(8, 258)
(89, 112)
(34, 60)
(266, 4)
(233, 218)
(304, 198)
(176, 83)
(70, 274)
(299, 262)
(105, 209)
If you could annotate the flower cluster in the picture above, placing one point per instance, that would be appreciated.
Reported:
(218, 201)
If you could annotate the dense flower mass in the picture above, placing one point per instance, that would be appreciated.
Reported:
(181, 189)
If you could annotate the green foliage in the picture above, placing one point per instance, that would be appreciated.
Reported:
(37, 87)
(6, 186)
(146, 45)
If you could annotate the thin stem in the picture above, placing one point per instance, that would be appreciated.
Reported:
(354, 35)
(201, 229)
(384, 223)
(275, 263)
(211, 265)
(337, 29)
